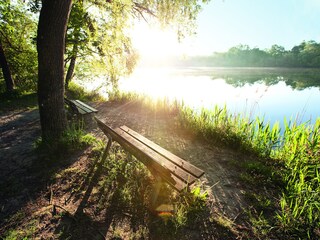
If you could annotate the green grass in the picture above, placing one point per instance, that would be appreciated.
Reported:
(293, 155)
(75, 91)
(24, 233)
(233, 130)
(21, 100)
(18, 100)
(300, 202)
(74, 138)
(21, 232)
(297, 150)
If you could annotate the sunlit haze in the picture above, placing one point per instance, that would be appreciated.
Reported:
(197, 88)
(152, 40)
(224, 24)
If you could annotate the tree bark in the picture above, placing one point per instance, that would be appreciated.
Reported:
(52, 27)
(6, 71)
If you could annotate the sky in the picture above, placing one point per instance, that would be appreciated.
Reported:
(223, 24)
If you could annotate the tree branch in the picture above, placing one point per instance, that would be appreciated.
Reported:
(141, 9)
(7, 40)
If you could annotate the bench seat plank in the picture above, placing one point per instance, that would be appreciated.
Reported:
(80, 107)
(84, 106)
(156, 157)
(170, 156)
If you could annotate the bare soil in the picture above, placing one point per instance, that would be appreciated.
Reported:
(30, 185)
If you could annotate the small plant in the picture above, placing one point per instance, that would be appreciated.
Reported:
(189, 206)
(116, 95)
(72, 139)
(260, 225)
(198, 198)
(128, 176)
(180, 218)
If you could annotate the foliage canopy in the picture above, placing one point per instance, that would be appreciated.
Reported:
(306, 54)
(17, 34)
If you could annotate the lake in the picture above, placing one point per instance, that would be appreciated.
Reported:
(272, 93)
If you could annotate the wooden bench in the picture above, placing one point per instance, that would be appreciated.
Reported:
(79, 108)
(164, 165)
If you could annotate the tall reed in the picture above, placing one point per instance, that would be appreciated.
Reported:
(300, 151)
(298, 148)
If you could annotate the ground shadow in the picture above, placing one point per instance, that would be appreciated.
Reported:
(106, 210)
(24, 173)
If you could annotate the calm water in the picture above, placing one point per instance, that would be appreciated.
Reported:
(270, 93)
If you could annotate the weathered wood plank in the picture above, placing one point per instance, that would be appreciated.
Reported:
(156, 157)
(170, 156)
(85, 107)
(80, 107)
(80, 110)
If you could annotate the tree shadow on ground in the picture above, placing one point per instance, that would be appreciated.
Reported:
(91, 199)
(24, 173)
(113, 202)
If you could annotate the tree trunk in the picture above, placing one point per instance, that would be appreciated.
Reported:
(72, 64)
(70, 71)
(6, 71)
(52, 26)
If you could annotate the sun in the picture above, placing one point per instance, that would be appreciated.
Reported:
(155, 42)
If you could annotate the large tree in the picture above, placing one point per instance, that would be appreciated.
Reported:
(52, 27)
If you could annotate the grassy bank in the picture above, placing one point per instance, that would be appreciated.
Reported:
(297, 150)
(293, 152)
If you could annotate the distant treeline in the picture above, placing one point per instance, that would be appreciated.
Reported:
(306, 54)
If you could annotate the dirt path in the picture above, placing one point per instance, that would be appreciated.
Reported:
(164, 130)
(20, 129)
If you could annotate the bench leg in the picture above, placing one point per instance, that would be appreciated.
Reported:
(156, 190)
(106, 150)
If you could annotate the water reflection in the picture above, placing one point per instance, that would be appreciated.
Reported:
(298, 79)
(269, 93)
